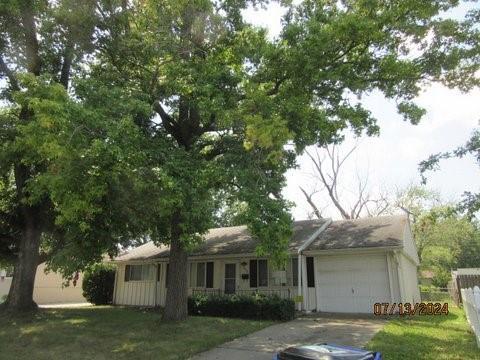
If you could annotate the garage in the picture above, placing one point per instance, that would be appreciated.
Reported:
(351, 283)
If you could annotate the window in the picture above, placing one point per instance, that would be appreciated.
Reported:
(138, 273)
(310, 273)
(204, 274)
(294, 271)
(201, 274)
(258, 273)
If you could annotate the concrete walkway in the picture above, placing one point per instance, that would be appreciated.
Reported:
(264, 343)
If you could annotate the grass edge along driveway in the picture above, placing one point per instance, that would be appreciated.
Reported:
(114, 333)
(438, 337)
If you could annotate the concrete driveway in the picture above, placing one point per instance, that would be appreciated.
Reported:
(326, 329)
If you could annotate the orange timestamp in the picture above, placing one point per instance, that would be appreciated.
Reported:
(410, 309)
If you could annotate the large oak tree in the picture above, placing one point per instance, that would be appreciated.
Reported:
(210, 107)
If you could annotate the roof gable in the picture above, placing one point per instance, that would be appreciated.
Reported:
(381, 231)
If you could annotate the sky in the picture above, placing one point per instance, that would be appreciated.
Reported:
(391, 159)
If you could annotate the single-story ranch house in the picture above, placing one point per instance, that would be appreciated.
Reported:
(347, 266)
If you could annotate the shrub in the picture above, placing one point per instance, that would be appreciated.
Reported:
(242, 306)
(98, 283)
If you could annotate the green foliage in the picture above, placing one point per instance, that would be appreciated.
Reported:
(98, 283)
(446, 241)
(242, 306)
(471, 201)
(129, 120)
(441, 277)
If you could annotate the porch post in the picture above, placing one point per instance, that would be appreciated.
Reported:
(299, 280)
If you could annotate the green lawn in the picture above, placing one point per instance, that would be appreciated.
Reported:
(113, 333)
(427, 337)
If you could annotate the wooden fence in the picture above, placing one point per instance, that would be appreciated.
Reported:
(471, 304)
(465, 282)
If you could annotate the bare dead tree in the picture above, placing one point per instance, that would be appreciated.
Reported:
(328, 164)
(316, 212)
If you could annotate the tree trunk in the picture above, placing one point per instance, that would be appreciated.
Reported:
(20, 296)
(176, 306)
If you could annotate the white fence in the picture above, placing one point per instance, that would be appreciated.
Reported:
(471, 303)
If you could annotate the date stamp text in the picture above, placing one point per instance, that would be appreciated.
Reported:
(410, 309)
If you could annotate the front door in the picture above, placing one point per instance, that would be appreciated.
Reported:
(230, 278)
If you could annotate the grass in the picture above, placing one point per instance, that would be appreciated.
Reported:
(427, 337)
(113, 333)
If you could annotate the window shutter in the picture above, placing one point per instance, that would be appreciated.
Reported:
(310, 273)
(253, 273)
(209, 283)
(127, 273)
(201, 274)
(294, 271)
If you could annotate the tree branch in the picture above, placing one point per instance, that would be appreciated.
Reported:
(67, 64)
(314, 207)
(31, 41)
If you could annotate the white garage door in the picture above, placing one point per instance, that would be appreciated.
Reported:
(351, 283)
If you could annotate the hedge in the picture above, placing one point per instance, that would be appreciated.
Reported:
(242, 306)
(98, 283)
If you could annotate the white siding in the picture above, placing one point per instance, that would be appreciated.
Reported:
(49, 288)
(5, 285)
(142, 293)
(138, 293)
(409, 246)
(410, 280)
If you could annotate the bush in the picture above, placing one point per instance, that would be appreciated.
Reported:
(242, 306)
(98, 283)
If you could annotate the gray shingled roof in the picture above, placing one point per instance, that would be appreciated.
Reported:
(382, 231)
(225, 241)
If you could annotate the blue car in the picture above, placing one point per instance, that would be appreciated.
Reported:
(326, 352)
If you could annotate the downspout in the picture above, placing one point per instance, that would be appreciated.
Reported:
(299, 278)
(302, 270)
(306, 297)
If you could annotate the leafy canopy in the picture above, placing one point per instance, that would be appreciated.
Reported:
(168, 104)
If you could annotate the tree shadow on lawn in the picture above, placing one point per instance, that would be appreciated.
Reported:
(113, 333)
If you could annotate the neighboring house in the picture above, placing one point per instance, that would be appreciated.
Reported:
(49, 288)
(347, 265)
(5, 281)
